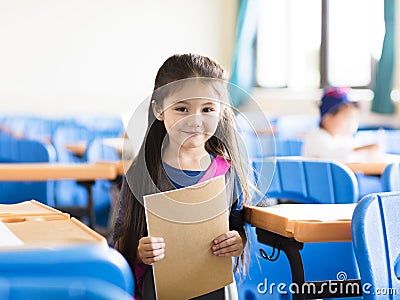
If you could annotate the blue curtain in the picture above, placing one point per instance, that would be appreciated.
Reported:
(244, 60)
(382, 103)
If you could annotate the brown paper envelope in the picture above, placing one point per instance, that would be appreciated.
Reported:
(189, 219)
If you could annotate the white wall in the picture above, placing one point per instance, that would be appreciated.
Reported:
(65, 57)
(62, 57)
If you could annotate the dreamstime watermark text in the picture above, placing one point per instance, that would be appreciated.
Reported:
(333, 287)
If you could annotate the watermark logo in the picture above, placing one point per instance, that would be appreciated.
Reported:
(341, 276)
(341, 286)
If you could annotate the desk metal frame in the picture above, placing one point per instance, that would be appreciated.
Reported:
(292, 248)
(84, 211)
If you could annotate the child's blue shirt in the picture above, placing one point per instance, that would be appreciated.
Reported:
(183, 178)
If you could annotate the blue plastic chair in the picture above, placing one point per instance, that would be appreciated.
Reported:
(288, 147)
(89, 261)
(98, 151)
(389, 138)
(391, 178)
(69, 134)
(392, 141)
(102, 125)
(26, 151)
(67, 192)
(39, 129)
(259, 146)
(16, 124)
(375, 231)
(295, 126)
(8, 151)
(305, 181)
(67, 288)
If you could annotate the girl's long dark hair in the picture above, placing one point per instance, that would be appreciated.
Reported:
(146, 175)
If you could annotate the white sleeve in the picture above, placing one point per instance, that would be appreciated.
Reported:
(320, 144)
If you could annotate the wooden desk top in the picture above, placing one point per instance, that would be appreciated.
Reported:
(27, 208)
(78, 149)
(47, 231)
(55, 171)
(31, 224)
(120, 166)
(304, 222)
(370, 168)
(123, 166)
(373, 167)
(119, 144)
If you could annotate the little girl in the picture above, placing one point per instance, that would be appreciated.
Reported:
(190, 132)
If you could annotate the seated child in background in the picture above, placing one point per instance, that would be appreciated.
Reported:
(334, 139)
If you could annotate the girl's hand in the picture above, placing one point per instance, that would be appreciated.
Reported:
(228, 244)
(151, 249)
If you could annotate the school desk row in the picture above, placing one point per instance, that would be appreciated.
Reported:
(110, 170)
(86, 175)
(89, 172)
(32, 226)
(38, 242)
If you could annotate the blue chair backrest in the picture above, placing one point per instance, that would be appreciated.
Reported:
(38, 128)
(26, 151)
(259, 146)
(392, 141)
(8, 151)
(69, 134)
(64, 288)
(391, 178)
(16, 124)
(90, 261)
(98, 151)
(376, 240)
(288, 147)
(30, 151)
(295, 126)
(256, 144)
(101, 126)
(305, 181)
(389, 139)
(259, 141)
(68, 192)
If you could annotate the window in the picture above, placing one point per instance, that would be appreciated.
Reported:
(312, 43)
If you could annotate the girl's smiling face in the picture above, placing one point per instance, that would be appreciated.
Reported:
(190, 115)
